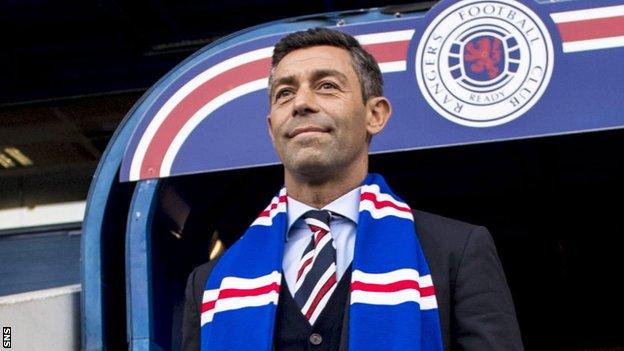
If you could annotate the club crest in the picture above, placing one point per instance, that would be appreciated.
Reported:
(484, 63)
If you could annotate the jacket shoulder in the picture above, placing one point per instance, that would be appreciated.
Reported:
(192, 305)
(198, 279)
(431, 226)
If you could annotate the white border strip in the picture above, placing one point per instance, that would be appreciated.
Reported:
(40, 294)
(250, 283)
(393, 66)
(387, 277)
(394, 298)
(588, 14)
(22, 217)
(385, 37)
(593, 44)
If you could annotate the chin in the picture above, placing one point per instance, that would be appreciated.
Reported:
(312, 168)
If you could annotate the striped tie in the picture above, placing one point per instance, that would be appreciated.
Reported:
(316, 276)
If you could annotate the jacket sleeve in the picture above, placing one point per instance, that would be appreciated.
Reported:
(483, 315)
(190, 321)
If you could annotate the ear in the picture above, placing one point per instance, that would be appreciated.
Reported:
(378, 113)
(269, 125)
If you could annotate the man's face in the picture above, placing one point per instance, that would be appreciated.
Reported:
(318, 121)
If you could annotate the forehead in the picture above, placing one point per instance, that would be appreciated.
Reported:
(303, 61)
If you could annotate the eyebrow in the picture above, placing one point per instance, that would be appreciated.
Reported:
(322, 73)
(287, 80)
(316, 75)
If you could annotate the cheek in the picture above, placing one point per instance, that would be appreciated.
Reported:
(277, 125)
(355, 125)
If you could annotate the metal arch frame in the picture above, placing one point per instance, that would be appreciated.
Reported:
(139, 301)
(91, 253)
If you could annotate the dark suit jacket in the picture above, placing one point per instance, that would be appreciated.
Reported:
(475, 306)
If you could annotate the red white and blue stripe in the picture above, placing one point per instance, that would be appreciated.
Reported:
(235, 293)
(393, 288)
(393, 303)
(222, 83)
(591, 29)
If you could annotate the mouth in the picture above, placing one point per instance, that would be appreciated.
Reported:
(307, 130)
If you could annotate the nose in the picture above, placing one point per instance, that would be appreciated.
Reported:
(304, 102)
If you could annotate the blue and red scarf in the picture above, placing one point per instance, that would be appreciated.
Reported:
(393, 303)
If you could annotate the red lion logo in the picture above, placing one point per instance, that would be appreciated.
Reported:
(485, 56)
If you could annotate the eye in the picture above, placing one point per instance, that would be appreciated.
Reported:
(283, 93)
(328, 85)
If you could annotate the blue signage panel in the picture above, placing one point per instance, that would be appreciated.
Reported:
(465, 72)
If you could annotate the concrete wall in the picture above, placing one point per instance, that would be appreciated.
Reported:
(43, 320)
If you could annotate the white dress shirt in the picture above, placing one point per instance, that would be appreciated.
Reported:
(342, 232)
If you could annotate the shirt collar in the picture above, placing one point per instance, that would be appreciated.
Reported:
(347, 206)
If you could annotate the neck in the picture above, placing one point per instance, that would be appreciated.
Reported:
(318, 192)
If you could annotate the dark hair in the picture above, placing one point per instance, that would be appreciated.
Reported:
(364, 63)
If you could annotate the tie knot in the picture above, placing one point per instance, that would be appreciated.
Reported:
(317, 219)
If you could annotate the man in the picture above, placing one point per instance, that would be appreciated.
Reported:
(337, 261)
